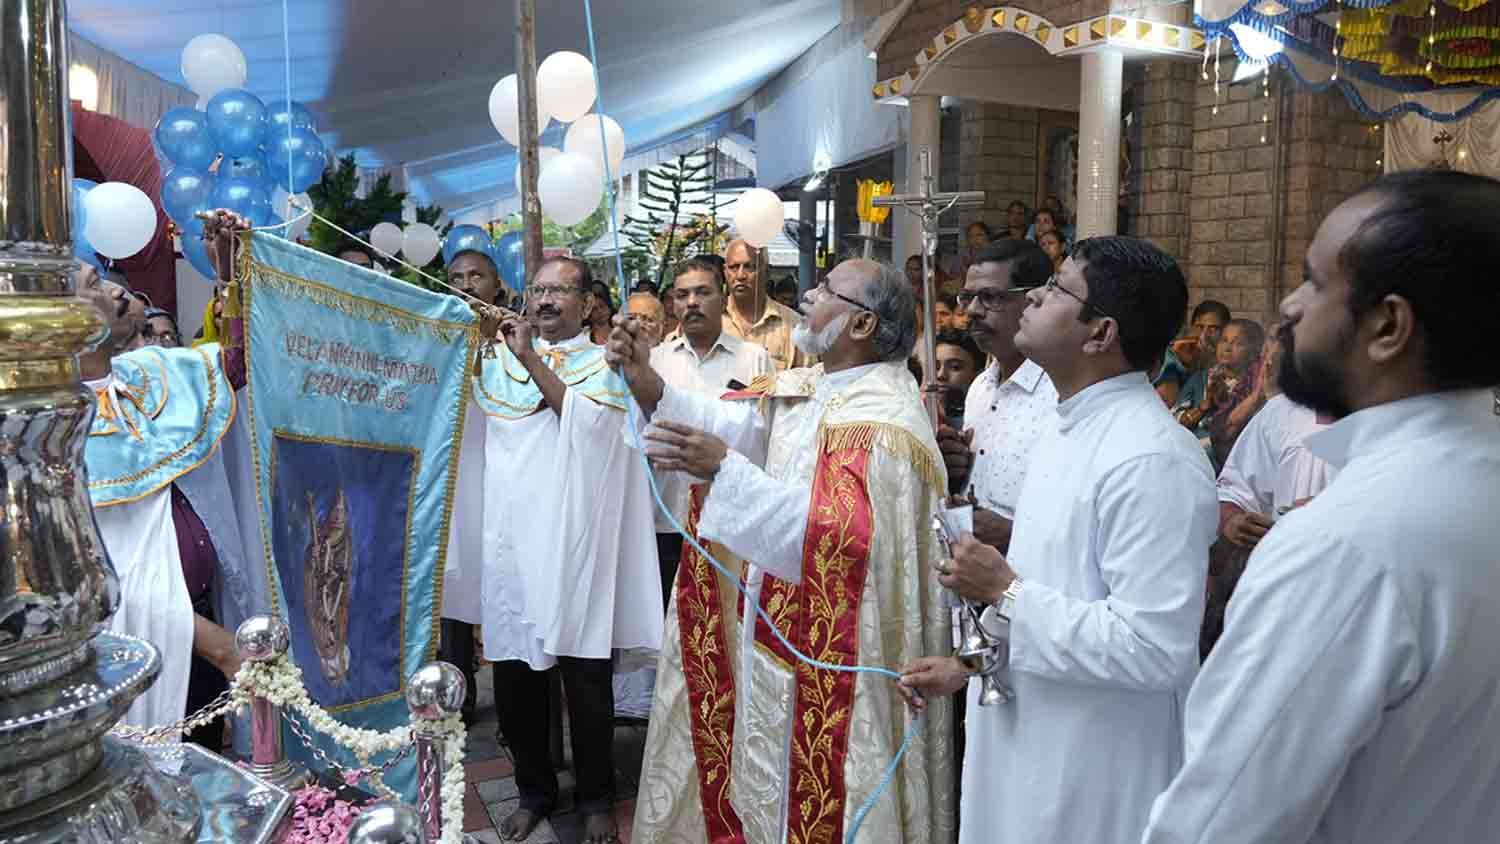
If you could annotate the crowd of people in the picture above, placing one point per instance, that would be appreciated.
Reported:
(1243, 578)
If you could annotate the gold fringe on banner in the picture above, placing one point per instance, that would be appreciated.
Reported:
(891, 439)
(357, 307)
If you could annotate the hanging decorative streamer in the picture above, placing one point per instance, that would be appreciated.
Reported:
(1265, 96)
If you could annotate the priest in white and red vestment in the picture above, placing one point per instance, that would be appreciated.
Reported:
(836, 529)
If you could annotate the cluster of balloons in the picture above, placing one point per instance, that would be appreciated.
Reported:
(508, 253)
(419, 242)
(572, 178)
(235, 151)
(114, 219)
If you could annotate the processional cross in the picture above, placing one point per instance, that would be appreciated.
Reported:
(929, 205)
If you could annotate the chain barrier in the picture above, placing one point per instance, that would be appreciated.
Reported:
(373, 773)
(170, 733)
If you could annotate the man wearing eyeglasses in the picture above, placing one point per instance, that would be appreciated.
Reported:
(1012, 402)
(837, 530)
(570, 571)
(1101, 591)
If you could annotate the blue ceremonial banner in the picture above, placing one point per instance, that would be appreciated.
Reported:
(357, 389)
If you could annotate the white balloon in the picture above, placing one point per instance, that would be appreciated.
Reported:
(211, 63)
(419, 243)
(570, 189)
(386, 238)
(293, 207)
(583, 139)
(505, 110)
(543, 155)
(758, 216)
(121, 219)
(565, 80)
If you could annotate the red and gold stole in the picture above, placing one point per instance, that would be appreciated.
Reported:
(821, 617)
(706, 655)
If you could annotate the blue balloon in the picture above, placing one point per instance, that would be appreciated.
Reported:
(252, 167)
(237, 120)
(279, 114)
(467, 238)
(241, 196)
(183, 138)
(303, 152)
(185, 192)
(196, 251)
(510, 260)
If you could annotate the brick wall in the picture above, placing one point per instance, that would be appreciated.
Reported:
(1329, 153)
(997, 154)
(1165, 107)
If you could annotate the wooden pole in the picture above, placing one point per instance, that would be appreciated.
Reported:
(531, 206)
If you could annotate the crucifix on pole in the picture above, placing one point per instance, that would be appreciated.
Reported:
(929, 205)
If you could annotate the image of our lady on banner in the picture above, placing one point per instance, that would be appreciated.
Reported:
(342, 516)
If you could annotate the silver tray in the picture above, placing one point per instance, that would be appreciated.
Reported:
(235, 804)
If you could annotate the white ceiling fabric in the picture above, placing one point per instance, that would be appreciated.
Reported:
(406, 82)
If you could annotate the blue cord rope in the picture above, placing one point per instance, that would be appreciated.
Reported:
(286, 54)
(913, 727)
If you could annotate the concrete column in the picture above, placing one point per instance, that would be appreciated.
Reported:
(1099, 142)
(925, 115)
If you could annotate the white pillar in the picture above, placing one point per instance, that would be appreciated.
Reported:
(1099, 142)
(925, 118)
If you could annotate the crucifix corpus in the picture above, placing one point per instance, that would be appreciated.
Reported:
(929, 206)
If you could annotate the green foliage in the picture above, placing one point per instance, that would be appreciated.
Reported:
(667, 232)
(334, 198)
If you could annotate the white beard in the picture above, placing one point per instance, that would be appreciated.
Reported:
(818, 344)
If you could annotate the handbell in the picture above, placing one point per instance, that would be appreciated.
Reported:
(972, 641)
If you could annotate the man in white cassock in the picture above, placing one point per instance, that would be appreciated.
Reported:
(1352, 695)
(1100, 595)
(836, 529)
(163, 500)
(570, 571)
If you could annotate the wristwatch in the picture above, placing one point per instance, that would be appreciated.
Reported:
(996, 618)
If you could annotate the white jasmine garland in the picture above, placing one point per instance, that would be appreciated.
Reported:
(280, 681)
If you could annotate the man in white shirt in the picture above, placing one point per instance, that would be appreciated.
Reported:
(1268, 472)
(1352, 695)
(1012, 403)
(1101, 593)
(703, 358)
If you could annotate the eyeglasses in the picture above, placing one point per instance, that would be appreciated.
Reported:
(549, 291)
(989, 298)
(1052, 286)
(824, 290)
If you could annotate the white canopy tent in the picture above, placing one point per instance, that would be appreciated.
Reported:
(404, 84)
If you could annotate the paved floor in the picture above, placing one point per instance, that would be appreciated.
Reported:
(490, 795)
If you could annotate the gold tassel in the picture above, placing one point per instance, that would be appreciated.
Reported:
(893, 440)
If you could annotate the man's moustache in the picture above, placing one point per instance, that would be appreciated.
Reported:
(692, 315)
(546, 311)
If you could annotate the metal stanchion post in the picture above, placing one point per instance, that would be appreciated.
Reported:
(434, 692)
(264, 638)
